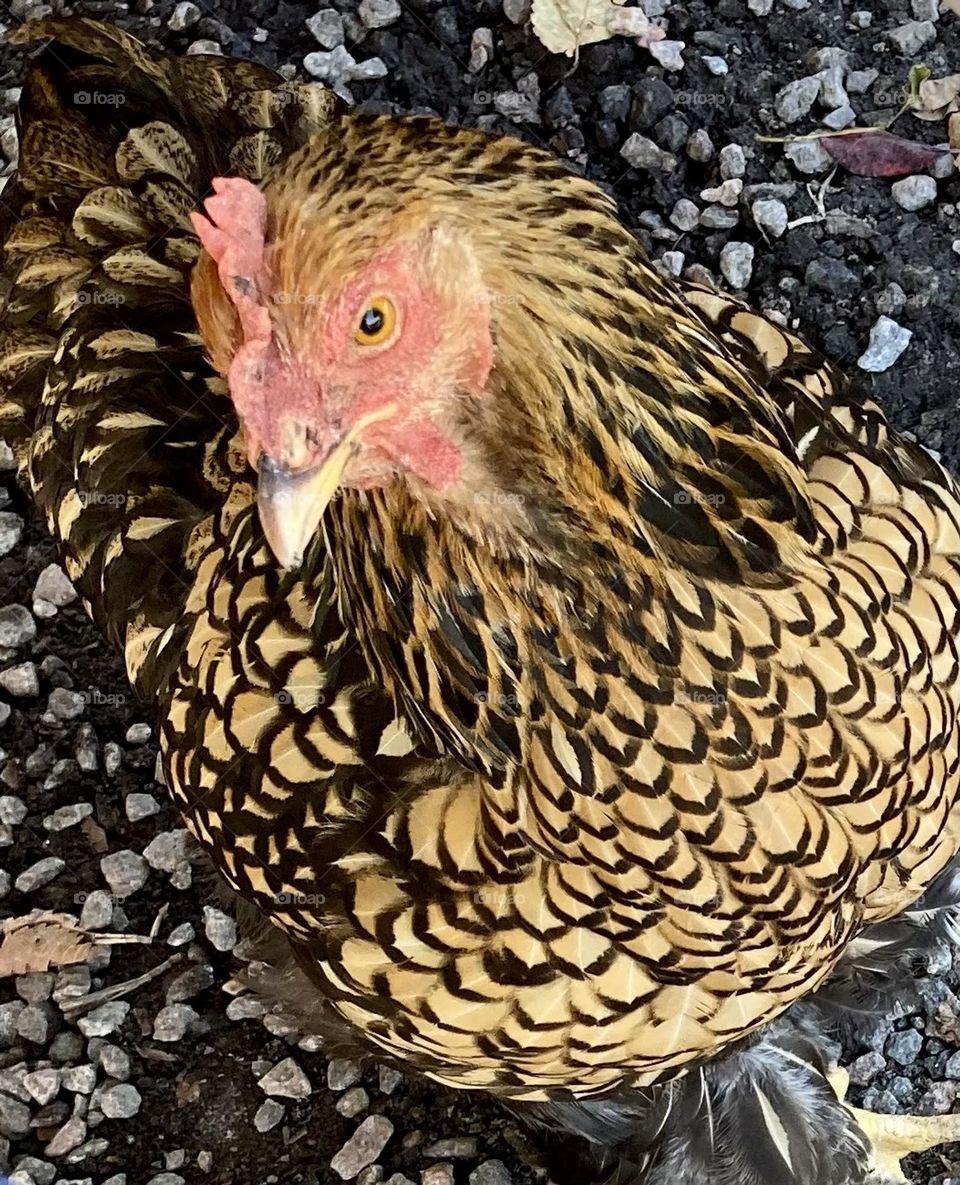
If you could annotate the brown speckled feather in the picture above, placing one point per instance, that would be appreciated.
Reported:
(551, 801)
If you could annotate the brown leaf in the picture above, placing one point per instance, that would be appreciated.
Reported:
(95, 834)
(38, 941)
(880, 154)
(937, 97)
(953, 134)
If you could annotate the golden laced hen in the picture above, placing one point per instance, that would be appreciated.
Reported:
(599, 683)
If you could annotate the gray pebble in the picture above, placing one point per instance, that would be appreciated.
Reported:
(11, 528)
(268, 1115)
(125, 872)
(388, 1079)
(115, 1062)
(736, 264)
(858, 82)
(904, 1047)
(43, 1085)
(685, 215)
(515, 105)
(183, 16)
(794, 101)
(173, 1021)
(14, 1117)
(481, 49)
(700, 146)
(246, 1008)
(121, 1101)
(808, 156)
(342, 1072)
(642, 153)
(204, 46)
(517, 12)
(220, 929)
(17, 626)
(66, 1047)
(63, 772)
(167, 1179)
(39, 874)
(377, 14)
(167, 851)
(717, 66)
(181, 935)
(70, 1136)
(915, 192)
(21, 680)
(926, 10)
(329, 65)
(67, 816)
(112, 757)
(97, 911)
(363, 1147)
(36, 1024)
(888, 340)
(910, 38)
(719, 218)
(80, 1079)
(671, 263)
(138, 734)
(437, 1174)
(491, 1172)
(13, 810)
(286, 1081)
(727, 194)
(140, 806)
(733, 162)
(771, 216)
(189, 983)
(353, 1103)
(842, 117)
(327, 27)
(41, 1170)
(453, 1148)
(53, 586)
(35, 987)
(6, 883)
(832, 91)
(669, 54)
(105, 1019)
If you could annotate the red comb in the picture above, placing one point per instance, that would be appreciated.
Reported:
(233, 231)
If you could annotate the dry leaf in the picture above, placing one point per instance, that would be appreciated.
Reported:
(564, 25)
(953, 133)
(937, 97)
(38, 941)
(880, 154)
(95, 834)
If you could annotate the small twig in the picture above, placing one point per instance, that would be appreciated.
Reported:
(116, 990)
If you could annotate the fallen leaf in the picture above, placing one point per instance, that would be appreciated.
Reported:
(937, 97)
(95, 834)
(880, 154)
(38, 941)
(564, 25)
(953, 133)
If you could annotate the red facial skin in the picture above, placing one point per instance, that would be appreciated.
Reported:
(297, 404)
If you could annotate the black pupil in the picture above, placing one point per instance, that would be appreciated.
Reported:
(372, 322)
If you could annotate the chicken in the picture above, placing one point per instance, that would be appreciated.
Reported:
(564, 662)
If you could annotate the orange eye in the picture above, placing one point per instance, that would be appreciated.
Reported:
(377, 323)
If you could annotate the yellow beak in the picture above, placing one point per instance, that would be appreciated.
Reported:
(291, 504)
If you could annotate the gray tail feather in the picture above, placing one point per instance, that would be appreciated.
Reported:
(763, 1116)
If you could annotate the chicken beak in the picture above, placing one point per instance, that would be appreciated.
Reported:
(291, 504)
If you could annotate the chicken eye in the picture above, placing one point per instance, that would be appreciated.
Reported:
(377, 323)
